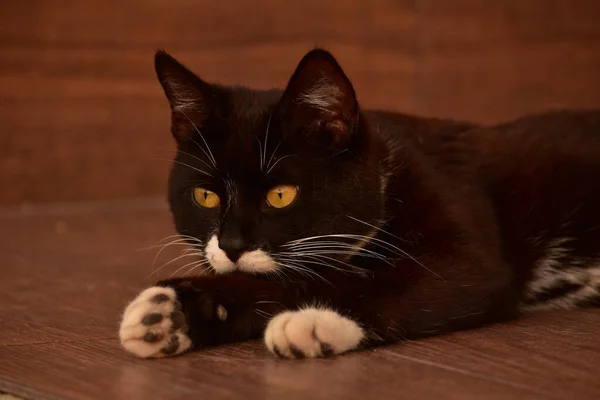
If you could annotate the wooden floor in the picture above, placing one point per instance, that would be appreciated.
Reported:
(68, 270)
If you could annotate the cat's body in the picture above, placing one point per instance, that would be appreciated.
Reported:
(335, 227)
(538, 174)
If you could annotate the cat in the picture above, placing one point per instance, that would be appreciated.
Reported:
(329, 228)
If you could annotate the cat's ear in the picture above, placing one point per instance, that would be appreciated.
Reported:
(189, 96)
(320, 97)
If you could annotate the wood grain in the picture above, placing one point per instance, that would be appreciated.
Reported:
(493, 61)
(83, 117)
(69, 269)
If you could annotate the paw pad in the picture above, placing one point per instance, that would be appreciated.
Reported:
(312, 332)
(153, 325)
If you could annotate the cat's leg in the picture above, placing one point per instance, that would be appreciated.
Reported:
(179, 314)
(362, 312)
(312, 319)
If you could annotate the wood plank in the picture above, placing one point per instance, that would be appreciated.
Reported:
(69, 133)
(69, 269)
(82, 269)
(556, 352)
(70, 102)
(203, 24)
(493, 61)
(99, 369)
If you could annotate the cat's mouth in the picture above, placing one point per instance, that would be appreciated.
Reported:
(253, 261)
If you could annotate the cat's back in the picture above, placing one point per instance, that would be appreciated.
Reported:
(541, 174)
(552, 132)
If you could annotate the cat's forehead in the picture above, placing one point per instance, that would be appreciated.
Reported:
(247, 107)
(246, 128)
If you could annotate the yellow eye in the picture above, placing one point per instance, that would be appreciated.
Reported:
(206, 198)
(282, 196)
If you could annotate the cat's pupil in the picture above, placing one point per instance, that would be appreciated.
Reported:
(205, 195)
(279, 194)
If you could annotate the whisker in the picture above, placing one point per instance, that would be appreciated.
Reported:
(193, 263)
(263, 313)
(172, 243)
(294, 267)
(381, 242)
(264, 154)
(268, 302)
(334, 247)
(378, 229)
(278, 160)
(189, 166)
(273, 154)
(311, 260)
(321, 257)
(260, 152)
(209, 154)
(187, 254)
(160, 242)
(194, 157)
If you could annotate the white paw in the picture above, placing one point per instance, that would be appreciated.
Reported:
(153, 324)
(312, 332)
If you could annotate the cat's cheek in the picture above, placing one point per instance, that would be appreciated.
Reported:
(312, 332)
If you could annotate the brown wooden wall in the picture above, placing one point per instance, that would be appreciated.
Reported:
(82, 116)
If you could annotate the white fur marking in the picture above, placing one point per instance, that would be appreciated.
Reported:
(308, 329)
(132, 330)
(184, 99)
(324, 95)
(221, 312)
(255, 261)
(550, 271)
(217, 257)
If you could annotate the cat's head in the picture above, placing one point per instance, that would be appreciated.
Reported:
(272, 181)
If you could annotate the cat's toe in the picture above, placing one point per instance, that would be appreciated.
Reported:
(312, 332)
(153, 324)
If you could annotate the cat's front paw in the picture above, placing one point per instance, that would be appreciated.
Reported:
(153, 324)
(312, 332)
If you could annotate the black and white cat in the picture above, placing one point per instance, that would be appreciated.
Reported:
(331, 228)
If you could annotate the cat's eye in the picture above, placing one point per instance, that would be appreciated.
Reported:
(282, 196)
(206, 198)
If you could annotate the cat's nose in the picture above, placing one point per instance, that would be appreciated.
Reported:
(233, 247)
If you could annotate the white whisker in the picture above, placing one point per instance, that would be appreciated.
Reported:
(293, 266)
(192, 167)
(193, 263)
(172, 261)
(377, 228)
(384, 244)
(207, 152)
(194, 157)
(273, 154)
(264, 152)
(278, 160)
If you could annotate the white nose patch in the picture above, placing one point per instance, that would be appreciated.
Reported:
(255, 261)
(217, 257)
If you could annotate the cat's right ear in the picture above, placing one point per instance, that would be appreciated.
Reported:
(189, 96)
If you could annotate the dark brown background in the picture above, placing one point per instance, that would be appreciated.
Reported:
(84, 118)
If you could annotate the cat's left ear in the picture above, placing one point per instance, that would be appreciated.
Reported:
(189, 96)
(319, 97)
